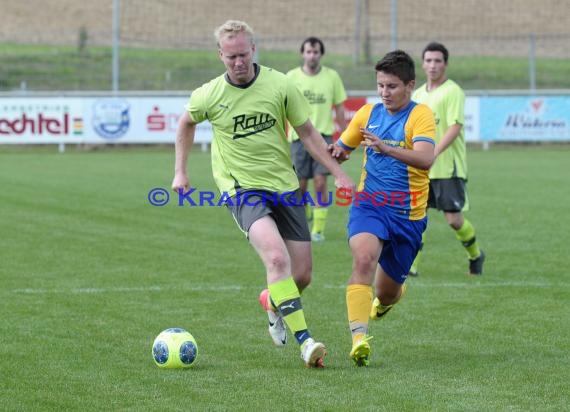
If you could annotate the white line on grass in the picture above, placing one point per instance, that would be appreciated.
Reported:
(469, 284)
(123, 289)
(198, 288)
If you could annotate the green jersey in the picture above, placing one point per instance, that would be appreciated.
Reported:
(448, 105)
(249, 146)
(322, 90)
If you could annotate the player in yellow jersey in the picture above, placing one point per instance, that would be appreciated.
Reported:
(323, 89)
(248, 107)
(388, 214)
(448, 175)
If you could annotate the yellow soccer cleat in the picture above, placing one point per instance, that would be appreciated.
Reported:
(360, 353)
(378, 310)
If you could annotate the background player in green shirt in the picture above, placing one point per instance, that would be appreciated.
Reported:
(448, 175)
(323, 89)
(248, 107)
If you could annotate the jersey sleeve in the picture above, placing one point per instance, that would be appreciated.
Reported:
(196, 105)
(297, 107)
(351, 137)
(423, 124)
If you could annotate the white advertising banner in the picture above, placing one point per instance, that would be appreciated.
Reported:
(45, 120)
(69, 120)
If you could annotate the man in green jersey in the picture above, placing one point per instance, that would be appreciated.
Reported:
(248, 107)
(323, 89)
(448, 175)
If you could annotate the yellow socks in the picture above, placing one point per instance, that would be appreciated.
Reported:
(319, 220)
(358, 304)
(309, 212)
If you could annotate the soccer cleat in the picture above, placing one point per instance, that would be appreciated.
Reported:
(264, 300)
(277, 329)
(413, 273)
(317, 237)
(476, 265)
(313, 353)
(360, 353)
(378, 310)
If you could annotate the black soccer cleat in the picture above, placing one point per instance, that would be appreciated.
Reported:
(476, 265)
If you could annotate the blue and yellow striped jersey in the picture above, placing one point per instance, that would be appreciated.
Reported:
(401, 188)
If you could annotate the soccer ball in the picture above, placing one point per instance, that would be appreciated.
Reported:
(174, 348)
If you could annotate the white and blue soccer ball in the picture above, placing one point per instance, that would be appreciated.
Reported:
(174, 348)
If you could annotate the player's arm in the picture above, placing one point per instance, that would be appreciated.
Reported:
(420, 156)
(336, 151)
(351, 137)
(448, 138)
(318, 149)
(339, 97)
(339, 116)
(184, 140)
(455, 111)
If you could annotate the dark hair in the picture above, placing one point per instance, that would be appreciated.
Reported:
(398, 63)
(435, 46)
(313, 41)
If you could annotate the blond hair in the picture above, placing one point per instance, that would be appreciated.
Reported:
(232, 28)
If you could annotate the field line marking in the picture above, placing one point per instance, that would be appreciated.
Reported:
(123, 289)
(198, 288)
(469, 284)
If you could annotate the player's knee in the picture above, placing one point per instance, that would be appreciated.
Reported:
(455, 225)
(302, 279)
(454, 220)
(366, 258)
(277, 261)
(365, 263)
(320, 185)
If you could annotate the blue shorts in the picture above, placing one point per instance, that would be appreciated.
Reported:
(402, 237)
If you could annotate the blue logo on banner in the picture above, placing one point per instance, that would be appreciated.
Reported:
(111, 118)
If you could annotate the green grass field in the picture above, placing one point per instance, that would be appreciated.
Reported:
(91, 273)
(64, 68)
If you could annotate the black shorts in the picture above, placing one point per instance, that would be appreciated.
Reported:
(286, 209)
(305, 166)
(449, 195)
